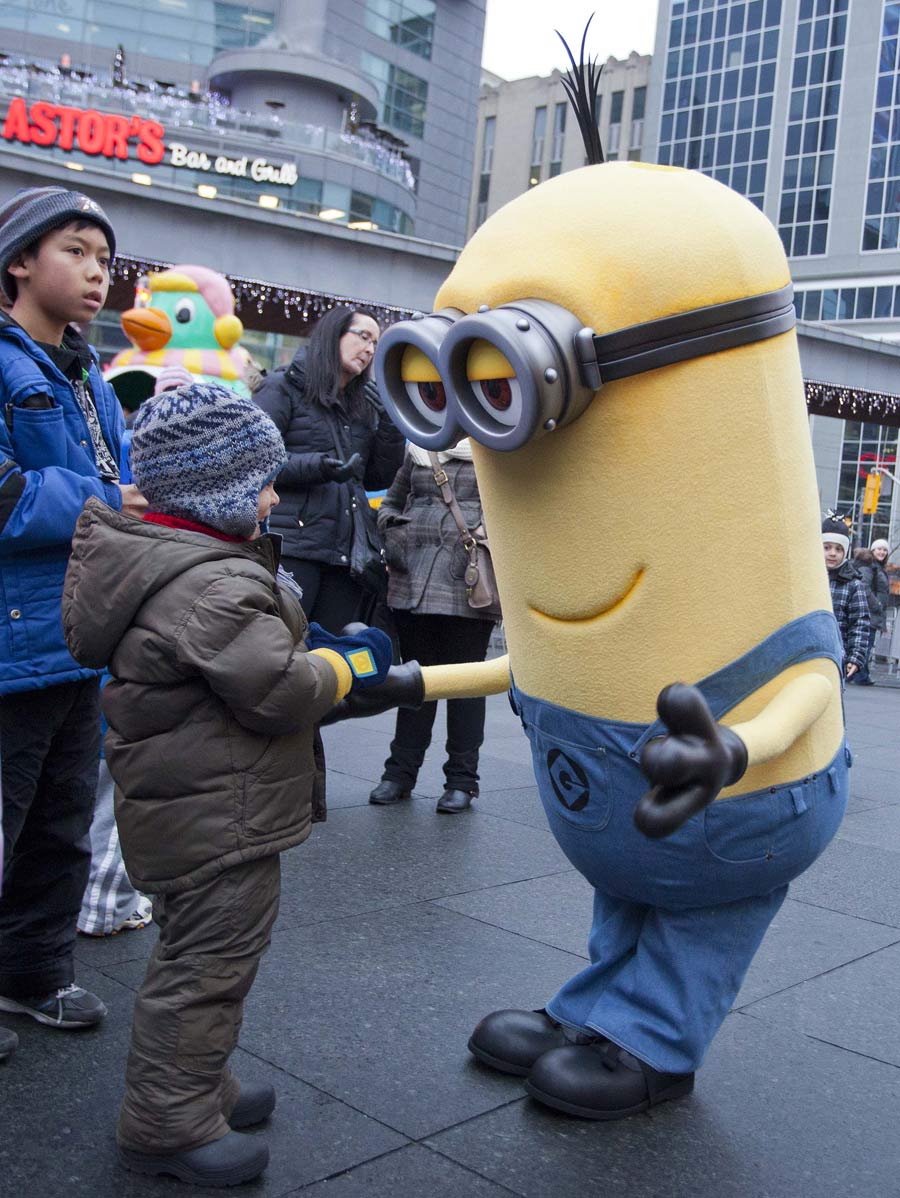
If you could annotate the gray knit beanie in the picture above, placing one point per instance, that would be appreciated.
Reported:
(34, 211)
(203, 453)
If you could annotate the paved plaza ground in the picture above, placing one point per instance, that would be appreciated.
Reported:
(400, 928)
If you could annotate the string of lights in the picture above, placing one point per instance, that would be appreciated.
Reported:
(849, 403)
(256, 297)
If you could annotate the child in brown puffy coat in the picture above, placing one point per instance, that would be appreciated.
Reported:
(214, 696)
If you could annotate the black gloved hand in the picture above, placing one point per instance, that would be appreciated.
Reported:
(403, 687)
(336, 470)
(689, 767)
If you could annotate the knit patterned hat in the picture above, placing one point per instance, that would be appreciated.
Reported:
(34, 211)
(836, 532)
(203, 453)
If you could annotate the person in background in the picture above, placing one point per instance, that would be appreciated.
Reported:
(881, 551)
(848, 596)
(60, 441)
(435, 624)
(339, 442)
(875, 583)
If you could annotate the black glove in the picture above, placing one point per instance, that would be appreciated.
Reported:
(689, 767)
(336, 470)
(403, 687)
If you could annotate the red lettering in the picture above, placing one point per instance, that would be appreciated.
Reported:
(67, 120)
(16, 127)
(116, 140)
(91, 132)
(43, 123)
(151, 148)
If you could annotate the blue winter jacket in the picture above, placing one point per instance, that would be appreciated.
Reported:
(47, 472)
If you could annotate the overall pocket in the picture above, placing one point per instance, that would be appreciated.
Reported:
(573, 781)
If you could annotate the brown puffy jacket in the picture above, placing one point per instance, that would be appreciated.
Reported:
(213, 696)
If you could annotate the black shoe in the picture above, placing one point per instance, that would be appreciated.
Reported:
(226, 1162)
(388, 792)
(512, 1041)
(9, 1042)
(601, 1081)
(453, 801)
(254, 1105)
(69, 1007)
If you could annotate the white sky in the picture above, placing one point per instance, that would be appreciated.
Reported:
(519, 38)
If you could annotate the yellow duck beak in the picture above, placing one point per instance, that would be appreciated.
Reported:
(148, 328)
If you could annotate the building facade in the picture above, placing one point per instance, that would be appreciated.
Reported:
(796, 104)
(527, 131)
(323, 146)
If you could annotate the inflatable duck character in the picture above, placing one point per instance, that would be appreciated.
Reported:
(618, 344)
(184, 317)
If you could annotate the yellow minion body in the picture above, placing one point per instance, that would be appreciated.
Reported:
(674, 524)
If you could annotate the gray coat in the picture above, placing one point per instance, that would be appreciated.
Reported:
(423, 546)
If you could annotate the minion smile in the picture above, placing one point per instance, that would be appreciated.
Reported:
(601, 612)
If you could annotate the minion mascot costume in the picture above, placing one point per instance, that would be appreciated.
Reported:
(619, 345)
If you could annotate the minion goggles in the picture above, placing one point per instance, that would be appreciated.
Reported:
(508, 374)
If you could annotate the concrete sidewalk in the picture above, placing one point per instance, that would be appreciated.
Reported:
(400, 928)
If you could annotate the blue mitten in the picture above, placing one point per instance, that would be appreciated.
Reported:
(368, 652)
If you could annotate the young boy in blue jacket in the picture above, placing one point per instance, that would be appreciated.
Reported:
(60, 431)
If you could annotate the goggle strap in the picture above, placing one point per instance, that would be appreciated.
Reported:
(694, 334)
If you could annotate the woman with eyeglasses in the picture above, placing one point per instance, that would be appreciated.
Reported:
(339, 443)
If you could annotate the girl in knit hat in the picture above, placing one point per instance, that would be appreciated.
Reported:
(214, 695)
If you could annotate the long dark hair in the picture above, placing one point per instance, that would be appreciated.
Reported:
(323, 363)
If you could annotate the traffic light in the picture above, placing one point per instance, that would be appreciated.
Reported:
(873, 490)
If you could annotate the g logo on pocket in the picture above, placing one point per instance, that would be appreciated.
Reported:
(569, 781)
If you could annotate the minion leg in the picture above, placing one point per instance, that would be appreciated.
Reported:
(664, 999)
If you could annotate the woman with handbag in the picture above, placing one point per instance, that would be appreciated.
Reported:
(339, 442)
(432, 524)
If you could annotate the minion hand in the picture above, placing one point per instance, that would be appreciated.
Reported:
(688, 767)
(403, 687)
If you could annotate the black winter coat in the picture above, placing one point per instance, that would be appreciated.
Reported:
(314, 515)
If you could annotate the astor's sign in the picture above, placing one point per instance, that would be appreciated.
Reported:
(111, 135)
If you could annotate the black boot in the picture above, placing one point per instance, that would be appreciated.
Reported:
(388, 792)
(226, 1162)
(255, 1104)
(453, 801)
(511, 1041)
(601, 1081)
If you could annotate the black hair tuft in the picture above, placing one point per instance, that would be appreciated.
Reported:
(582, 81)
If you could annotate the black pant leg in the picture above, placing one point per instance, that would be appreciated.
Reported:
(50, 784)
(412, 734)
(467, 640)
(307, 576)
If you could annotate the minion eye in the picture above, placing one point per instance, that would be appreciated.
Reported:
(184, 311)
(498, 393)
(430, 393)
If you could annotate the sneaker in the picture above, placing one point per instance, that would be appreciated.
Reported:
(139, 917)
(69, 1007)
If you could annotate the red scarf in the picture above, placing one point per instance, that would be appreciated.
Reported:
(191, 526)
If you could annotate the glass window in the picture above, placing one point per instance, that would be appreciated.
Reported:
(559, 136)
(487, 145)
(404, 96)
(538, 135)
(407, 23)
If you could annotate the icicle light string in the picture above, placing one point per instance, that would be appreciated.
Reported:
(259, 295)
(852, 403)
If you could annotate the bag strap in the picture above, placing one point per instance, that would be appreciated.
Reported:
(442, 480)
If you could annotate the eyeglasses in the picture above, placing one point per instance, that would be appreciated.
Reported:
(365, 336)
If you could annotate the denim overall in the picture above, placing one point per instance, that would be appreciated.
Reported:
(677, 921)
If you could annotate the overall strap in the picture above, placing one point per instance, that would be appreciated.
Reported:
(815, 635)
